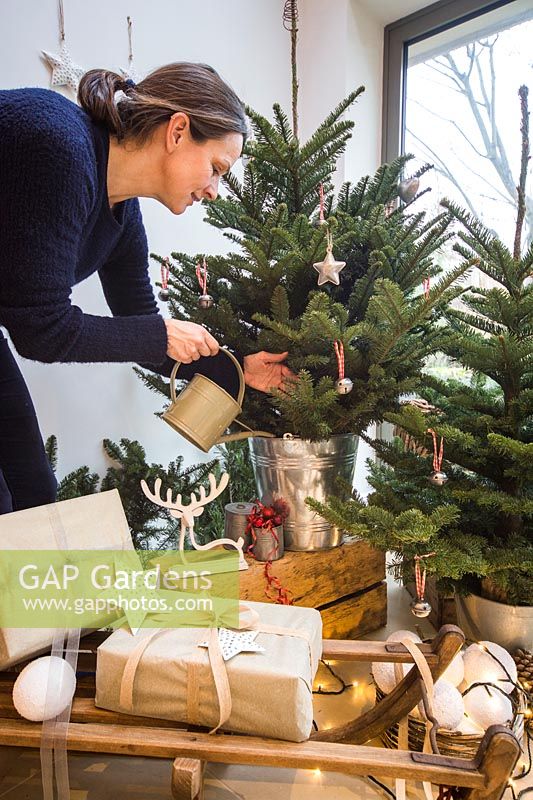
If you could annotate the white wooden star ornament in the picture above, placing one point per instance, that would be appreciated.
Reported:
(328, 269)
(64, 71)
(232, 643)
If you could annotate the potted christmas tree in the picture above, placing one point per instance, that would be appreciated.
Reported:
(475, 519)
(356, 325)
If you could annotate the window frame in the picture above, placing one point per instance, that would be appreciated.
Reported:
(398, 36)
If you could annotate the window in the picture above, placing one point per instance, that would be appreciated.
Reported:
(451, 80)
(451, 98)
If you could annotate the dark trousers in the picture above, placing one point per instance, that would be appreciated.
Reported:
(26, 478)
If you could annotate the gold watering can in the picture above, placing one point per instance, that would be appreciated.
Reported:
(203, 409)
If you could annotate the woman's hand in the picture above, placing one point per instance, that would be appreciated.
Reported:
(264, 371)
(187, 341)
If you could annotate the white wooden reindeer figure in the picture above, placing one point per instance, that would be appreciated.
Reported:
(187, 513)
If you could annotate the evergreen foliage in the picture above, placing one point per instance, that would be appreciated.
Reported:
(480, 523)
(266, 293)
(153, 527)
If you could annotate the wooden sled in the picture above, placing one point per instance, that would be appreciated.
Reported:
(340, 749)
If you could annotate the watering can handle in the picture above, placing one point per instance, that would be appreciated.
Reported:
(240, 396)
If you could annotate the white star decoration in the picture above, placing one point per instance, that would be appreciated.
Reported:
(64, 71)
(328, 270)
(232, 643)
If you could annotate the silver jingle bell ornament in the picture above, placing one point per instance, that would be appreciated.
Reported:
(163, 295)
(420, 608)
(343, 386)
(438, 478)
(408, 189)
(205, 301)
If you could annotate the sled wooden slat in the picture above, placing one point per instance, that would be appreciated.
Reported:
(347, 650)
(251, 750)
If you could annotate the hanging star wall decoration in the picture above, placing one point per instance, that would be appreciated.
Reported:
(64, 71)
(232, 643)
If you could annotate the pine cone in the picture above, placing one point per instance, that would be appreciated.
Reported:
(524, 664)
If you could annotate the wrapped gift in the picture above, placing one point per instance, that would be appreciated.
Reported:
(168, 674)
(93, 522)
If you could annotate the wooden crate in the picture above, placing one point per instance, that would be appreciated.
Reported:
(346, 584)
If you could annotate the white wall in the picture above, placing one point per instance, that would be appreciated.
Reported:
(340, 47)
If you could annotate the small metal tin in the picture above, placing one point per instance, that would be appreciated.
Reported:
(235, 522)
(265, 547)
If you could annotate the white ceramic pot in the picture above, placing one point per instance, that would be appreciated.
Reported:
(508, 626)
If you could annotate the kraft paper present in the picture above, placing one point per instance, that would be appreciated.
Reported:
(93, 522)
(271, 692)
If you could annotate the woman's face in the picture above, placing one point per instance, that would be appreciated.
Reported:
(191, 170)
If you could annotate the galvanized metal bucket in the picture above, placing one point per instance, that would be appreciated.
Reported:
(293, 469)
(203, 410)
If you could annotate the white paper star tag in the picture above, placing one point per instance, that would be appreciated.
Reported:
(232, 643)
(64, 71)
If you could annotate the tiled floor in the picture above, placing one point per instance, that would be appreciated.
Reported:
(94, 777)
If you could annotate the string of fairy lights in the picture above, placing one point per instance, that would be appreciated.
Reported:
(523, 688)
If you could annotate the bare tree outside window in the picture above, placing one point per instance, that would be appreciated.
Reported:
(463, 116)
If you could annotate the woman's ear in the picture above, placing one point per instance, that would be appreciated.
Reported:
(177, 128)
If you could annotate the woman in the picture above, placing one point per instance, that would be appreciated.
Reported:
(69, 182)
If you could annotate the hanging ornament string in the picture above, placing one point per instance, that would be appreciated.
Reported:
(321, 201)
(420, 577)
(426, 285)
(130, 45)
(343, 385)
(64, 71)
(165, 269)
(201, 274)
(130, 73)
(61, 21)
(389, 208)
(438, 453)
(339, 352)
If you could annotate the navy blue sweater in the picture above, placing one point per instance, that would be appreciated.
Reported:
(57, 228)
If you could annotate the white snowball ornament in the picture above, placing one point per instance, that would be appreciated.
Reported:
(481, 667)
(448, 706)
(469, 728)
(383, 671)
(51, 674)
(486, 706)
(455, 671)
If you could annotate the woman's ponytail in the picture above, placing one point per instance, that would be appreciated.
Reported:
(96, 95)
